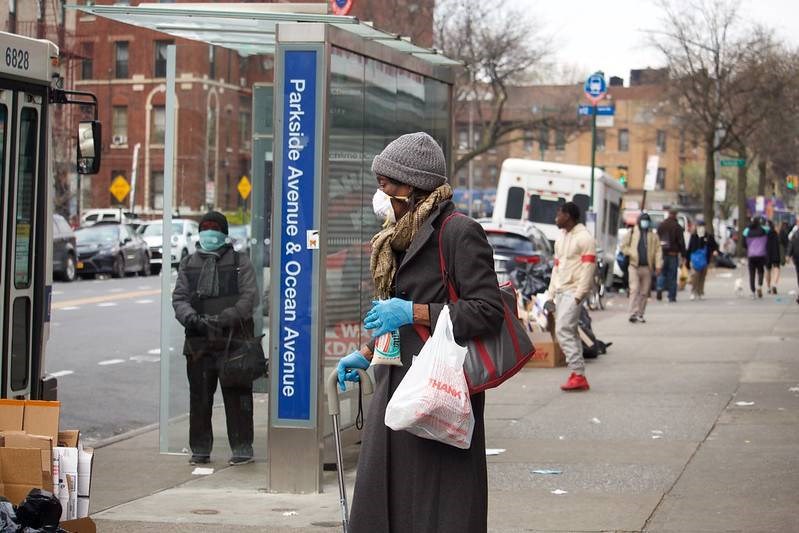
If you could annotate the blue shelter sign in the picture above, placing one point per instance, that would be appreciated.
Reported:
(294, 360)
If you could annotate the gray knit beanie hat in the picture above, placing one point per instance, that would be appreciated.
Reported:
(415, 159)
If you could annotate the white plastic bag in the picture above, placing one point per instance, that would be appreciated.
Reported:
(432, 401)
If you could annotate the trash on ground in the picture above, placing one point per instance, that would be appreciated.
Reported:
(200, 471)
(290, 513)
(744, 404)
(495, 451)
(545, 472)
(595, 420)
(725, 275)
(657, 432)
(561, 437)
(559, 492)
(793, 389)
(657, 436)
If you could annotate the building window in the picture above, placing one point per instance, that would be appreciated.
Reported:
(121, 56)
(119, 125)
(528, 141)
(463, 139)
(600, 140)
(661, 141)
(157, 189)
(87, 63)
(660, 182)
(158, 125)
(543, 138)
(212, 61)
(624, 140)
(560, 140)
(682, 142)
(477, 174)
(159, 68)
(244, 129)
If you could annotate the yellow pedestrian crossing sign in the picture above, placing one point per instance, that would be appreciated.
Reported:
(244, 187)
(119, 188)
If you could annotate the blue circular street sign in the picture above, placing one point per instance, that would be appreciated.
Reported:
(341, 7)
(595, 87)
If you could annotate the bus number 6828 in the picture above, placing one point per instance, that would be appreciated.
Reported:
(17, 58)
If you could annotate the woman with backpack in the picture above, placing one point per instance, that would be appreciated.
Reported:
(701, 249)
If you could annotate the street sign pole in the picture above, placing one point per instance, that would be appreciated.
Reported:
(593, 155)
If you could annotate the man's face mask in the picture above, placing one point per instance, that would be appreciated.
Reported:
(700, 231)
(211, 239)
(644, 224)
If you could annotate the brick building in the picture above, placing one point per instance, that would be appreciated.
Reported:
(125, 67)
(641, 127)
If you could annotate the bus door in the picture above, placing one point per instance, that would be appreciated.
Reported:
(24, 228)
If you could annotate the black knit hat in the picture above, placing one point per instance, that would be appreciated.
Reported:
(214, 220)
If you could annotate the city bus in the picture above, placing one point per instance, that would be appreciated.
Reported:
(29, 88)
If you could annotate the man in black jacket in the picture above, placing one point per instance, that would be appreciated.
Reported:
(673, 243)
(214, 299)
(793, 252)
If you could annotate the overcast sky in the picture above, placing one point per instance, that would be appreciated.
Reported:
(610, 35)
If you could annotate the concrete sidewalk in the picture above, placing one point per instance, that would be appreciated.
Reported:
(691, 424)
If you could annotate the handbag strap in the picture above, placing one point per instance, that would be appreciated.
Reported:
(422, 331)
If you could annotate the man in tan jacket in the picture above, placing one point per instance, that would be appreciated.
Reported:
(642, 246)
(572, 279)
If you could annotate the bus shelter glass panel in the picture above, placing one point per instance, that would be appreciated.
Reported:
(213, 170)
(371, 103)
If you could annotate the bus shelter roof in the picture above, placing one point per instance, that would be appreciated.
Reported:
(250, 28)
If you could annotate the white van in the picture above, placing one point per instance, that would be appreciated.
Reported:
(93, 216)
(533, 190)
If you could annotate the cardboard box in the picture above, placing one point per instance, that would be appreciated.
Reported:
(20, 439)
(11, 414)
(68, 438)
(41, 418)
(81, 525)
(20, 471)
(547, 352)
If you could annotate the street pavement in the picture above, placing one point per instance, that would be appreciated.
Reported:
(691, 424)
(104, 348)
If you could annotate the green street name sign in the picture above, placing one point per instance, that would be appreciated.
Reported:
(733, 162)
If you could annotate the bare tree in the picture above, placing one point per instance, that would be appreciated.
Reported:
(707, 50)
(501, 48)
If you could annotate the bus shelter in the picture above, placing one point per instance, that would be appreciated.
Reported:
(280, 133)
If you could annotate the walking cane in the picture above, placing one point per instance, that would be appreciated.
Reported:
(334, 409)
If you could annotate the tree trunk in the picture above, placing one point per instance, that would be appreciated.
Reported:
(761, 177)
(710, 183)
(743, 219)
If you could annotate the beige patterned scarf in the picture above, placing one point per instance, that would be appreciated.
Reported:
(396, 238)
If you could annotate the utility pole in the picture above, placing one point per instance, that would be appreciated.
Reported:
(593, 153)
(470, 144)
(595, 89)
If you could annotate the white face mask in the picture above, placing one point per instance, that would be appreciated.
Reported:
(381, 203)
(700, 231)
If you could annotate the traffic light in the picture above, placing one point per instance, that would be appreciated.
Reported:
(623, 179)
(791, 182)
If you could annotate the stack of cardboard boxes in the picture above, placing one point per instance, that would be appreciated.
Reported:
(35, 454)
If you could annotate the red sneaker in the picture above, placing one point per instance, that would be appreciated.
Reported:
(575, 382)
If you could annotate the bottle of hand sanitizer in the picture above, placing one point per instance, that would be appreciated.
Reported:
(387, 350)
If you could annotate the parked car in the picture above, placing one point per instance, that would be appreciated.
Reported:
(111, 248)
(93, 216)
(517, 246)
(64, 250)
(185, 234)
(240, 236)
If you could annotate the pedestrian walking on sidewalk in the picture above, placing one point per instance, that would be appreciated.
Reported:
(572, 278)
(642, 247)
(773, 259)
(756, 242)
(701, 249)
(672, 241)
(793, 252)
(404, 482)
(214, 298)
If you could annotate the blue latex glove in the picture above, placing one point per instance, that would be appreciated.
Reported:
(353, 361)
(388, 315)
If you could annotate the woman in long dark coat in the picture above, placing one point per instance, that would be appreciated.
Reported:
(406, 484)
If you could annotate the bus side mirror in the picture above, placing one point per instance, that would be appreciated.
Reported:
(89, 138)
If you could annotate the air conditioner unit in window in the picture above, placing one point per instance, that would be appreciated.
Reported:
(119, 140)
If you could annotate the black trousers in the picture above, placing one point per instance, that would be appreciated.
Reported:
(756, 264)
(203, 377)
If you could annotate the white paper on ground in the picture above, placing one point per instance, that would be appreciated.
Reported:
(559, 492)
(595, 420)
(290, 513)
(793, 389)
(744, 404)
(657, 436)
(494, 451)
(200, 471)
(545, 472)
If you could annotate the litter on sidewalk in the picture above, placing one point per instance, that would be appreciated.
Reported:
(744, 404)
(558, 492)
(545, 472)
(200, 471)
(494, 451)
